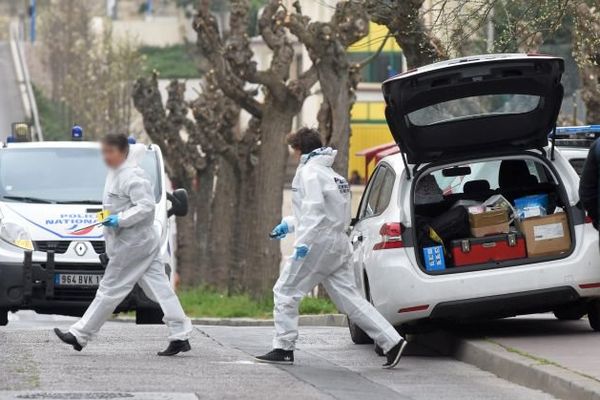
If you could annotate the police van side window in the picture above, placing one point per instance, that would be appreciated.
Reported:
(369, 207)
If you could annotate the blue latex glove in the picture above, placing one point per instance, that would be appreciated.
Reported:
(280, 231)
(301, 252)
(111, 221)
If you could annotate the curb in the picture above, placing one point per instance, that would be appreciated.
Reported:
(514, 366)
(337, 320)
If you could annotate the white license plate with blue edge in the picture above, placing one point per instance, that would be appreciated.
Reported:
(89, 280)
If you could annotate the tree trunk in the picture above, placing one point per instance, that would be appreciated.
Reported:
(334, 79)
(224, 226)
(265, 197)
(192, 231)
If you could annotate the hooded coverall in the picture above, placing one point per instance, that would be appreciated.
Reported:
(321, 215)
(133, 249)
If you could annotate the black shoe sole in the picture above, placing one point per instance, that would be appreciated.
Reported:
(184, 349)
(273, 361)
(398, 356)
(59, 334)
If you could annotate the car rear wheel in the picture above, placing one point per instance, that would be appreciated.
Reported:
(3, 317)
(149, 316)
(594, 314)
(358, 335)
(571, 313)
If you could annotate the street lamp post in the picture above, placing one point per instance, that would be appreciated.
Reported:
(32, 18)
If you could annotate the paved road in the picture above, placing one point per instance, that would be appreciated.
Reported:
(328, 366)
(11, 107)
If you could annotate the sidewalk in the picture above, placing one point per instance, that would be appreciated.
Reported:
(538, 351)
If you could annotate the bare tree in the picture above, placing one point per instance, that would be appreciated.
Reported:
(435, 30)
(586, 50)
(236, 178)
(438, 29)
(326, 43)
(91, 73)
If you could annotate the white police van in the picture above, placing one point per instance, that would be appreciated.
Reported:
(49, 191)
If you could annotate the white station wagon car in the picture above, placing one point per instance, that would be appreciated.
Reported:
(476, 127)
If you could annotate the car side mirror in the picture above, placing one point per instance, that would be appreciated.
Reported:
(179, 203)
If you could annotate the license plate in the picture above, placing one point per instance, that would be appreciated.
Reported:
(89, 280)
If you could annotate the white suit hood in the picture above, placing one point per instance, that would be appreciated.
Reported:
(324, 156)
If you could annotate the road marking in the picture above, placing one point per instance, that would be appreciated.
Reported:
(239, 362)
(96, 396)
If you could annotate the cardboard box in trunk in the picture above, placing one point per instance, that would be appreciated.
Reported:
(497, 229)
(547, 235)
(489, 222)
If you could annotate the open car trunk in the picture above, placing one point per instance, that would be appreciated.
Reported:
(526, 219)
(454, 108)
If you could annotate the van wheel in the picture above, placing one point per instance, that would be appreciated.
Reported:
(594, 314)
(571, 313)
(3, 317)
(358, 335)
(149, 316)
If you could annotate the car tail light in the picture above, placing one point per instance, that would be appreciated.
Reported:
(391, 236)
(421, 307)
(594, 285)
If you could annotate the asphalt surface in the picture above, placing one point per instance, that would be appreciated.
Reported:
(11, 106)
(121, 363)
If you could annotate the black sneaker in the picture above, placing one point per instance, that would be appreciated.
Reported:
(393, 356)
(277, 356)
(68, 338)
(176, 347)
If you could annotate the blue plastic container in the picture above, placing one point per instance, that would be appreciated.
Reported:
(533, 205)
(434, 258)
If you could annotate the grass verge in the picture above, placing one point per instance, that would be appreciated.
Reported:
(204, 302)
(171, 62)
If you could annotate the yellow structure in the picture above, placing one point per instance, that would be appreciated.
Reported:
(369, 128)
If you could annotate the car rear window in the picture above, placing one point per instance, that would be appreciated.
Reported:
(490, 173)
(474, 107)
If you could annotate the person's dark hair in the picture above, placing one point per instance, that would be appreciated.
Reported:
(117, 140)
(305, 140)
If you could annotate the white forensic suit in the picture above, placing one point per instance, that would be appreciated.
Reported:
(321, 208)
(133, 251)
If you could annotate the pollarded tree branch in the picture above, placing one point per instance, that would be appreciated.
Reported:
(164, 128)
(209, 40)
(272, 30)
(406, 24)
(216, 117)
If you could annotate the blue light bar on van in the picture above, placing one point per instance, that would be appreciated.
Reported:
(131, 140)
(76, 132)
(577, 130)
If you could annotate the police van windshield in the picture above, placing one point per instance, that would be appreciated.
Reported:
(60, 175)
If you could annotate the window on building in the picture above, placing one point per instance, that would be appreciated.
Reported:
(386, 64)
